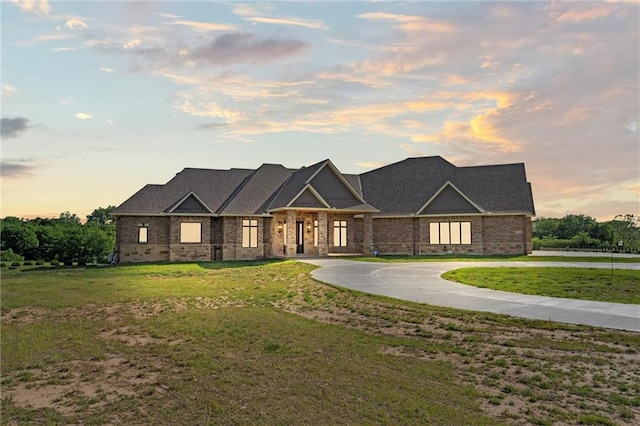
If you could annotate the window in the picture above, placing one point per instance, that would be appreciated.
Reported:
(450, 233)
(190, 232)
(315, 233)
(340, 233)
(143, 234)
(249, 233)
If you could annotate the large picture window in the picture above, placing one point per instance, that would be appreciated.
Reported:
(143, 234)
(249, 233)
(450, 233)
(190, 232)
(340, 233)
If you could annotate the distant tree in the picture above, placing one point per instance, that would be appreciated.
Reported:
(68, 217)
(572, 225)
(101, 217)
(17, 236)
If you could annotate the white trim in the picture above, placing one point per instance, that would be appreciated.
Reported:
(313, 192)
(183, 199)
(336, 172)
(448, 183)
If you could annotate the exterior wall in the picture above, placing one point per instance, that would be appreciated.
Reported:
(490, 235)
(232, 239)
(127, 246)
(393, 235)
(222, 237)
(187, 252)
(351, 234)
(477, 236)
(507, 235)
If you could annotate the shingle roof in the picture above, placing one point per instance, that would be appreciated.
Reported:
(400, 188)
(404, 187)
(257, 189)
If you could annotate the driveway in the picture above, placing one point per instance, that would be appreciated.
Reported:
(421, 282)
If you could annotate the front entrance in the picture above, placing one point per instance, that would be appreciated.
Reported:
(299, 236)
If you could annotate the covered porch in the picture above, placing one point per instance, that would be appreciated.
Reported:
(322, 232)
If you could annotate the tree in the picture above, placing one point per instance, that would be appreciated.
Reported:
(101, 217)
(17, 236)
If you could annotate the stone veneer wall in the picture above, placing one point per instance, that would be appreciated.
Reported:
(127, 246)
(232, 239)
(188, 252)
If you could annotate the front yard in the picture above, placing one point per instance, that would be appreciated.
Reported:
(263, 343)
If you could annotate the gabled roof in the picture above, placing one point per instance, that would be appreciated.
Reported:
(415, 186)
(325, 183)
(449, 200)
(407, 186)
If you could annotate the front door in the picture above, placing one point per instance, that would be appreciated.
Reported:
(299, 236)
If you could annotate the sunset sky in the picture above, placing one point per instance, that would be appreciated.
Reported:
(101, 98)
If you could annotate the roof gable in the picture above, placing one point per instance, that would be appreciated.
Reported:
(308, 197)
(449, 200)
(190, 203)
(333, 187)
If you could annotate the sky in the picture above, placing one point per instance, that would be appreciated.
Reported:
(101, 98)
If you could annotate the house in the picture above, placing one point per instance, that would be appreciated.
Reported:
(422, 205)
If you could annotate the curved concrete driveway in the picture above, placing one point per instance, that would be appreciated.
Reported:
(421, 282)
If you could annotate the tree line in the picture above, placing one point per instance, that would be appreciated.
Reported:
(64, 239)
(584, 232)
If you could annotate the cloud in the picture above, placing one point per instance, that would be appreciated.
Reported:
(52, 37)
(12, 127)
(75, 23)
(38, 7)
(371, 164)
(83, 116)
(8, 90)
(205, 26)
(105, 69)
(15, 169)
(168, 15)
(319, 25)
(244, 47)
(410, 23)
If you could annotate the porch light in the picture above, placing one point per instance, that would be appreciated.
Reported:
(308, 227)
(279, 227)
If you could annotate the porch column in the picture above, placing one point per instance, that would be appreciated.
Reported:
(291, 233)
(367, 231)
(323, 247)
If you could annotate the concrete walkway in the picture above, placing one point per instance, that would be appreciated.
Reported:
(421, 282)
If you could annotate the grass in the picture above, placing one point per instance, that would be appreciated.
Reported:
(475, 258)
(621, 286)
(263, 343)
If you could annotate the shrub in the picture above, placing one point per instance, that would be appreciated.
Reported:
(39, 262)
(4, 264)
(27, 263)
(16, 263)
(9, 256)
(68, 263)
(55, 262)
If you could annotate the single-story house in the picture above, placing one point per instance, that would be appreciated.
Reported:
(422, 205)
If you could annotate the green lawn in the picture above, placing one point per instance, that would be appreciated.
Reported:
(620, 286)
(472, 258)
(263, 343)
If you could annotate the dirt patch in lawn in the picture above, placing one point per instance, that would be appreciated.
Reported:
(525, 374)
(79, 386)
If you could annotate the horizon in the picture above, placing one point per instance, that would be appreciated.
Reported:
(102, 98)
